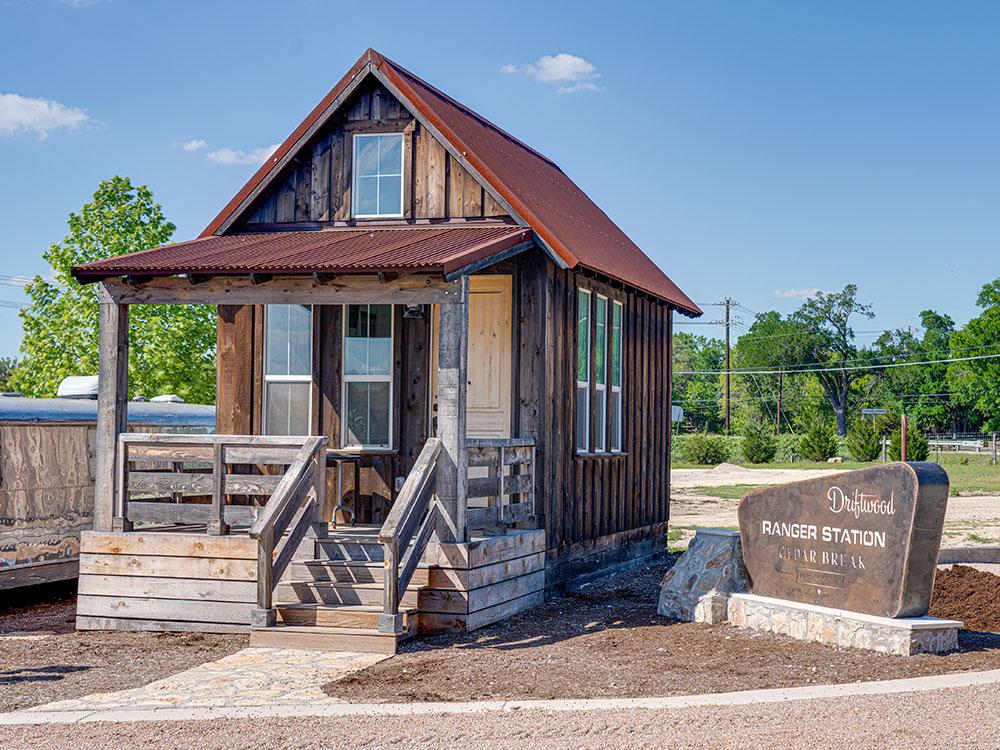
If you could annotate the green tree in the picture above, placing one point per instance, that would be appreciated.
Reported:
(171, 347)
(819, 442)
(975, 385)
(759, 442)
(699, 395)
(864, 441)
(7, 365)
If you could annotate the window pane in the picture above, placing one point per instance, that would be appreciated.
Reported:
(366, 200)
(277, 340)
(368, 413)
(287, 409)
(380, 321)
(600, 340)
(299, 340)
(616, 344)
(583, 336)
(368, 344)
(616, 420)
(365, 155)
(600, 420)
(582, 415)
(390, 158)
(390, 195)
(357, 413)
(378, 413)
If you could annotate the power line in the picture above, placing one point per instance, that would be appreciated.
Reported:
(838, 369)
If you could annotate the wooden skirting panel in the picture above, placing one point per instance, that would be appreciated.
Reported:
(166, 581)
(475, 584)
(575, 563)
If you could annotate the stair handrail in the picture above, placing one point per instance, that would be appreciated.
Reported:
(412, 519)
(284, 522)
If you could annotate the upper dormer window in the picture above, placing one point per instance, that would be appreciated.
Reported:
(378, 175)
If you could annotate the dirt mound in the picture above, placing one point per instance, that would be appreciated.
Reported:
(970, 595)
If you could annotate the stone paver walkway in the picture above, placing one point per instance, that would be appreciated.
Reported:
(251, 677)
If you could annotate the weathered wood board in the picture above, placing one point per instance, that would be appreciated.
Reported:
(166, 581)
(865, 541)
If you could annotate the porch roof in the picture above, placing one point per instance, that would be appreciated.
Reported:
(434, 248)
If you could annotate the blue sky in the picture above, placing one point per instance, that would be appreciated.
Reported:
(754, 150)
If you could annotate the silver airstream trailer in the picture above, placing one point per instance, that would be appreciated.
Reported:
(47, 475)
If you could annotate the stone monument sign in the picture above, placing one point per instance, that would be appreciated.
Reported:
(865, 541)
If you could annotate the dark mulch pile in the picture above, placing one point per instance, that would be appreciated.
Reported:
(970, 595)
(43, 659)
(607, 640)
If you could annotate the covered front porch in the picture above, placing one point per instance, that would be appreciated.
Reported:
(233, 530)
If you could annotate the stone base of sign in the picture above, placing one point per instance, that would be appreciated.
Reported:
(698, 586)
(904, 636)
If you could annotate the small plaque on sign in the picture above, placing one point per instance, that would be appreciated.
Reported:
(865, 541)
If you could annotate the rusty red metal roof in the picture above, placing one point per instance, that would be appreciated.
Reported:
(566, 220)
(436, 248)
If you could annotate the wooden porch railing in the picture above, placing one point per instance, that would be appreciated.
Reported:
(406, 531)
(510, 497)
(158, 471)
(284, 522)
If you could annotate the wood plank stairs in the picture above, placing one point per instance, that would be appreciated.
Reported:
(333, 601)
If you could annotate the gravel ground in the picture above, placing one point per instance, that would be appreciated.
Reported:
(608, 641)
(955, 719)
(43, 659)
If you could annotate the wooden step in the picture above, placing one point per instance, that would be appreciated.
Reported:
(338, 616)
(336, 592)
(358, 548)
(365, 640)
(348, 571)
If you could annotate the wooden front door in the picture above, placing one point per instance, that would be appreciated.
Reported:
(488, 395)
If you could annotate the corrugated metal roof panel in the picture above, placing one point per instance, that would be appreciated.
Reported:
(562, 215)
(441, 248)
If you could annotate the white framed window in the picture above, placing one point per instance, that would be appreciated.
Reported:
(582, 370)
(367, 380)
(601, 375)
(287, 370)
(377, 189)
(615, 364)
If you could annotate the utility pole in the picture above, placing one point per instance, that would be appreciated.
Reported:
(727, 303)
(902, 439)
(777, 422)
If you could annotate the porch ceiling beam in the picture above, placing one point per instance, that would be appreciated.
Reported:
(417, 289)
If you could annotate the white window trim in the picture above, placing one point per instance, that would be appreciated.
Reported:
(345, 379)
(583, 386)
(285, 378)
(615, 304)
(601, 440)
(354, 176)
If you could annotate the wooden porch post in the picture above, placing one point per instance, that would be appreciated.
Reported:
(452, 378)
(112, 414)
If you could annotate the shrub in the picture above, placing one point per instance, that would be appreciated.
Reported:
(704, 449)
(864, 441)
(820, 441)
(917, 448)
(788, 446)
(759, 443)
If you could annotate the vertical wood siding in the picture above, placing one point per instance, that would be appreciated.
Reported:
(593, 504)
(316, 186)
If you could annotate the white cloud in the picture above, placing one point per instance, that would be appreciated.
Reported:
(561, 67)
(578, 86)
(196, 144)
(24, 114)
(575, 73)
(796, 293)
(239, 156)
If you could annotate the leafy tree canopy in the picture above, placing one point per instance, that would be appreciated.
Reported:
(976, 384)
(171, 347)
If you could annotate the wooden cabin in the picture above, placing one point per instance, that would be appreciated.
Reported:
(443, 389)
